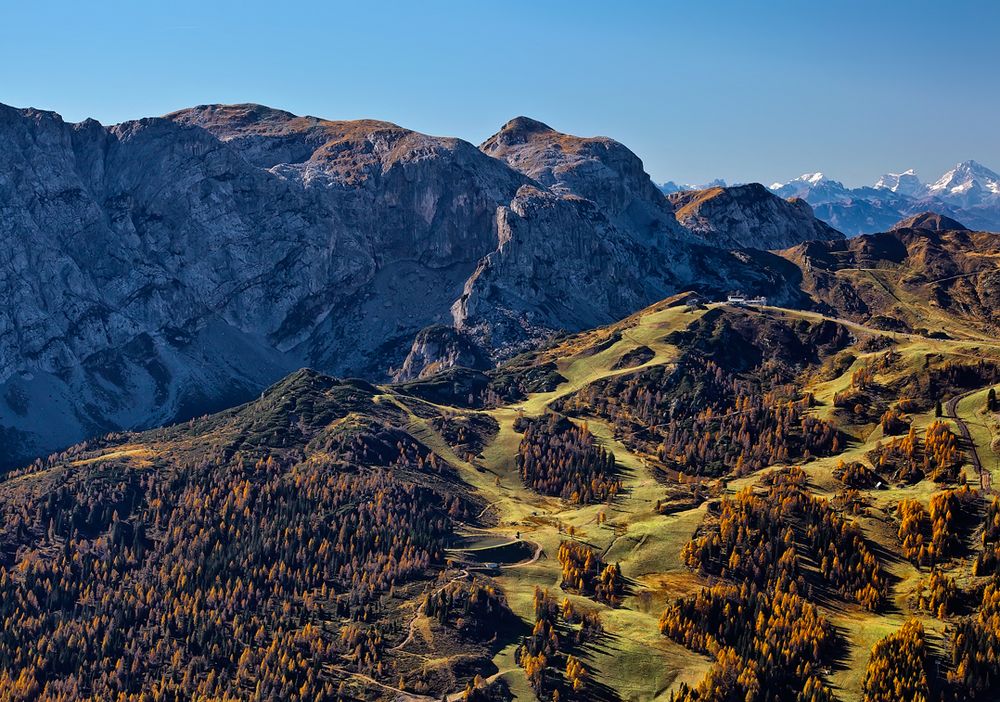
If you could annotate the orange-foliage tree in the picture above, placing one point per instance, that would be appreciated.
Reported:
(557, 457)
(897, 669)
(584, 572)
(704, 420)
(545, 655)
(223, 578)
(937, 457)
(475, 608)
(893, 422)
(930, 537)
(938, 594)
(856, 474)
(775, 639)
(759, 536)
(975, 649)
(988, 560)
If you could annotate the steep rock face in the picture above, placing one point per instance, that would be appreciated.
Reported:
(161, 268)
(930, 220)
(528, 272)
(598, 169)
(749, 216)
(166, 267)
(129, 292)
(429, 199)
(520, 289)
(438, 347)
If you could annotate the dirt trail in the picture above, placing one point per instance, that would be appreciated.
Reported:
(985, 478)
(533, 559)
(462, 575)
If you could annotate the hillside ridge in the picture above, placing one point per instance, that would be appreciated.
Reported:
(200, 256)
(570, 490)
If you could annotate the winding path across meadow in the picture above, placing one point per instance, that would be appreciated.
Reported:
(985, 478)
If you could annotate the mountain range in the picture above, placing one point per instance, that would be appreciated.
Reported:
(969, 192)
(161, 268)
(571, 462)
(589, 520)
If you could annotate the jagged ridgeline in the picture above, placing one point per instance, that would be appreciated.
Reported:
(698, 502)
(167, 267)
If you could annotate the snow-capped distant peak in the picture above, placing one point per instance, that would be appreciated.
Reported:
(717, 183)
(905, 183)
(892, 177)
(806, 179)
(811, 178)
(815, 188)
(967, 182)
(672, 187)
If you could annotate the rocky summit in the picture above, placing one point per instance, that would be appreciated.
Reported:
(161, 268)
(749, 215)
(930, 220)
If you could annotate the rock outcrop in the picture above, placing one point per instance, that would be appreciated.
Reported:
(165, 267)
(597, 169)
(437, 348)
(930, 220)
(749, 216)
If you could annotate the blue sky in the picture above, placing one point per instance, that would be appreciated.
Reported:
(744, 90)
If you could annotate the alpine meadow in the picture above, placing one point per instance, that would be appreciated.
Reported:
(308, 409)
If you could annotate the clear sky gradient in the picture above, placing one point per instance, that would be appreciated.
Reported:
(745, 90)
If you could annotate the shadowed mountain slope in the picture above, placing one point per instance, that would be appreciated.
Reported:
(160, 268)
(749, 215)
(930, 220)
(910, 278)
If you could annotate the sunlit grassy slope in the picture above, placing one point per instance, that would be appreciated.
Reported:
(634, 659)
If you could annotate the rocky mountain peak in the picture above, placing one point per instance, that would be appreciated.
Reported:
(968, 183)
(749, 216)
(226, 121)
(519, 130)
(314, 149)
(165, 267)
(930, 220)
(598, 169)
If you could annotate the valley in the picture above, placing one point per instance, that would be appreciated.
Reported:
(419, 352)
(830, 386)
